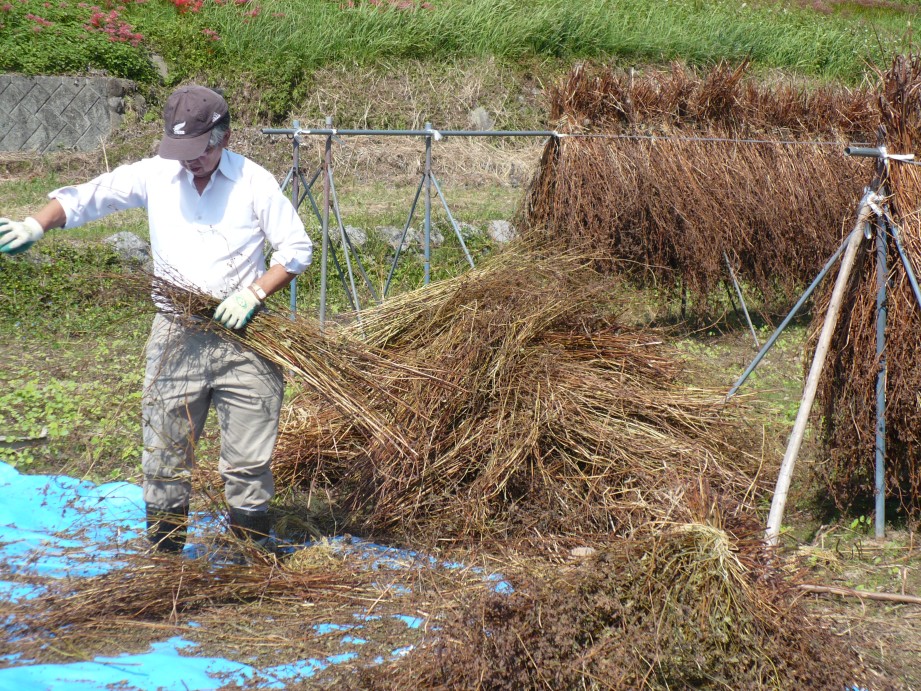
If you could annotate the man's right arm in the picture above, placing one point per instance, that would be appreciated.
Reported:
(51, 216)
(74, 205)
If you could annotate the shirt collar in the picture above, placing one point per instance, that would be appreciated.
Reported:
(230, 166)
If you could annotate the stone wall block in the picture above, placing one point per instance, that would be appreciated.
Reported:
(44, 114)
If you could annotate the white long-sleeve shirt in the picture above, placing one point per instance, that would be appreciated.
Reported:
(213, 242)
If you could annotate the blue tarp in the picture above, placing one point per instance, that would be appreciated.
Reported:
(56, 526)
(162, 667)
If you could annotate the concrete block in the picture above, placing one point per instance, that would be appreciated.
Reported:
(44, 114)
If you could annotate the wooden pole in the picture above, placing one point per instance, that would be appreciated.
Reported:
(815, 372)
(862, 594)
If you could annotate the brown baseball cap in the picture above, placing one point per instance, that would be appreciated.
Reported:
(190, 114)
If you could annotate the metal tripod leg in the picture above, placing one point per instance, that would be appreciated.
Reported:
(308, 194)
(735, 282)
(906, 262)
(454, 225)
(348, 251)
(882, 310)
(783, 325)
(409, 219)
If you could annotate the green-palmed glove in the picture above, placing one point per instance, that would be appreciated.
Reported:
(237, 309)
(18, 236)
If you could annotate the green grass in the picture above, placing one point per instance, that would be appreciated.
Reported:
(278, 44)
(52, 38)
(289, 48)
(85, 399)
(698, 30)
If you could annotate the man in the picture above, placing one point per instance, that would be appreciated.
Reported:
(210, 213)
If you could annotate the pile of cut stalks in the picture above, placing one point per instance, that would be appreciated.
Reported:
(511, 417)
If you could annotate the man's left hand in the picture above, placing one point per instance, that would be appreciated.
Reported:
(236, 310)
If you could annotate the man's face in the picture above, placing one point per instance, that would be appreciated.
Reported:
(207, 163)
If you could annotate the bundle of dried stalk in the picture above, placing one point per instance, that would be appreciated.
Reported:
(541, 413)
(82, 612)
(687, 606)
(355, 381)
(848, 390)
(668, 199)
(316, 442)
(609, 100)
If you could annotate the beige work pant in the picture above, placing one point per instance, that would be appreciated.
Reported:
(188, 370)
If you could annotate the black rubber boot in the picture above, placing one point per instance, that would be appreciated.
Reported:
(167, 528)
(251, 525)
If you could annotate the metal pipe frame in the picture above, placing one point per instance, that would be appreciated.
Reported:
(330, 202)
(295, 176)
(327, 164)
(428, 132)
(292, 177)
(427, 177)
(882, 282)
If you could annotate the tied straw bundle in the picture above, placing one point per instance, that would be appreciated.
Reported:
(690, 171)
(847, 392)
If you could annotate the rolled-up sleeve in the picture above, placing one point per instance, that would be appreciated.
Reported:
(283, 228)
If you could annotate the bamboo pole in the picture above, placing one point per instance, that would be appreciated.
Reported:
(815, 371)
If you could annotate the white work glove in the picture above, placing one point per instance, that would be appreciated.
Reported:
(18, 236)
(237, 309)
